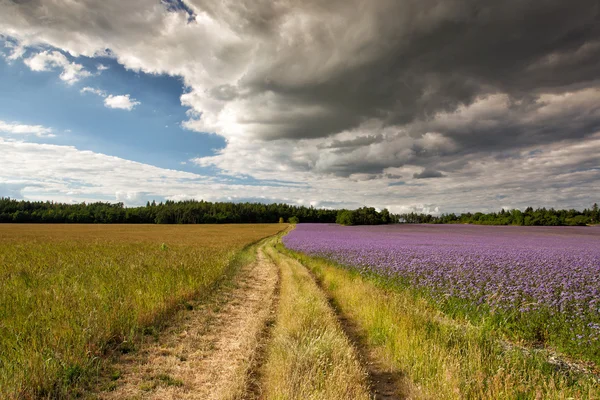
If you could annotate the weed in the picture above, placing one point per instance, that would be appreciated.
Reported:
(167, 380)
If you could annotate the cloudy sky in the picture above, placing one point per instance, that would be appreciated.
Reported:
(426, 105)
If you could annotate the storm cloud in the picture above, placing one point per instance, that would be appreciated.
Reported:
(315, 90)
(428, 173)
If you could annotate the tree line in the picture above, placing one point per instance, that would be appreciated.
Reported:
(365, 216)
(183, 212)
(168, 212)
(205, 212)
(529, 217)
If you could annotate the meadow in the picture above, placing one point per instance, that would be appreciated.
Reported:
(72, 294)
(463, 312)
(536, 285)
(453, 311)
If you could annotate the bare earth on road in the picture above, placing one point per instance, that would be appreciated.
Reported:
(208, 352)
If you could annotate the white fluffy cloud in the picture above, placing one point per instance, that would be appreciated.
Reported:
(65, 173)
(564, 173)
(48, 60)
(123, 102)
(21, 129)
(95, 91)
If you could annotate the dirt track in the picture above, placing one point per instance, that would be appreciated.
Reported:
(215, 350)
(208, 352)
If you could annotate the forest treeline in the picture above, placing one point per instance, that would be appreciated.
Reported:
(204, 212)
(529, 217)
(169, 212)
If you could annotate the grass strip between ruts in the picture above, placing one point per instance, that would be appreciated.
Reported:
(309, 356)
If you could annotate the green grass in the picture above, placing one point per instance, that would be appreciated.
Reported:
(541, 328)
(160, 380)
(70, 295)
(309, 357)
(439, 356)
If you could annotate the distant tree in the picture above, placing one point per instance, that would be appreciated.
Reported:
(293, 220)
(20, 216)
(517, 217)
(344, 217)
(579, 220)
(281, 221)
(385, 216)
(162, 217)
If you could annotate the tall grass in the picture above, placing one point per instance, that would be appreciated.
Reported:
(69, 294)
(309, 356)
(442, 357)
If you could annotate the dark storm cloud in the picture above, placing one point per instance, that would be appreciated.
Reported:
(523, 124)
(426, 59)
(354, 143)
(393, 176)
(432, 56)
(427, 173)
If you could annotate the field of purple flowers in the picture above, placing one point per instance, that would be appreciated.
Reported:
(540, 284)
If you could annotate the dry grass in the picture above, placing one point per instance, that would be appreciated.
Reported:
(208, 350)
(309, 356)
(443, 358)
(70, 293)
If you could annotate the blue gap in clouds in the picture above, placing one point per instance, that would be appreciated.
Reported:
(179, 5)
(150, 133)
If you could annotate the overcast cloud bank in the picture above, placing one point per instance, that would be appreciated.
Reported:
(400, 104)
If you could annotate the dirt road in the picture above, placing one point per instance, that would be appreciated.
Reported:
(208, 352)
(216, 348)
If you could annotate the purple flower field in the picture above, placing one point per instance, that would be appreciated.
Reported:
(553, 272)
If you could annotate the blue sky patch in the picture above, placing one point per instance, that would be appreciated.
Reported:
(149, 133)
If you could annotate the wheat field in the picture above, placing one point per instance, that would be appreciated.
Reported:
(71, 294)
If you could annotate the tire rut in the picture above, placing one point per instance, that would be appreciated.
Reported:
(254, 387)
(384, 384)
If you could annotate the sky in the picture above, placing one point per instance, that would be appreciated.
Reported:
(432, 106)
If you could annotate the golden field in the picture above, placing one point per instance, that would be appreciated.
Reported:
(70, 294)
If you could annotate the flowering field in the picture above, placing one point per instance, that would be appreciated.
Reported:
(540, 284)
